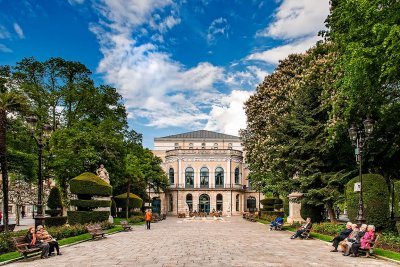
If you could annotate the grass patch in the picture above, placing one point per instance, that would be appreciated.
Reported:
(387, 254)
(73, 239)
(326, 238)
(9, 256)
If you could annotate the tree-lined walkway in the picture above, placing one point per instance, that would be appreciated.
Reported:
(177, 242)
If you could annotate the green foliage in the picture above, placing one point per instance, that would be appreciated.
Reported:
(136, 219)
(91, 204)
(53, 213)
(113, 208)
(54, 201)
(83, 217)
(267, 201)
(90, 184)
(312, 211)
(331, 229)
(375, 198)
(134, 201)
(271, 204)
(396, 201)
(55, 221)
(6, 243)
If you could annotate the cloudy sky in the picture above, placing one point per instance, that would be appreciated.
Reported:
(180, 65)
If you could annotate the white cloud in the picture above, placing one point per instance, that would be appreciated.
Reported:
(4, 34)
(275, 54)
(19, 30)
(76, 2)
(249, 77)
(294, 19)
(5, 49)
(228, 116)
(219, 27)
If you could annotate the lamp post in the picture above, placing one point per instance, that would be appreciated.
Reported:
(41, 140)
(358, 138)
(259, 199)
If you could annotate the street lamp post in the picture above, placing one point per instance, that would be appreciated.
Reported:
(41, 140)
(358, 138)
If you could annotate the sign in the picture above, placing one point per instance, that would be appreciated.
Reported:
(357, 187)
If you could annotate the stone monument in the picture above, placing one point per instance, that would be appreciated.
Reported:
(103, 174)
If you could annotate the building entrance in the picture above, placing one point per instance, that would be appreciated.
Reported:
(204, 203)
(156, 205)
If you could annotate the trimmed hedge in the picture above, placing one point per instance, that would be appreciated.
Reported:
(113, 208)
(55, 221)
(93, 203)
(268, 201)
(82, 217)
(316, 213)
(134, 201)
(53, 213)
(271, 204)
(54, 201)
(90, 184)
(396, 207)
(375, 198)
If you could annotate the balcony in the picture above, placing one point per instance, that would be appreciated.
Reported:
(206, 187)
(204, 152)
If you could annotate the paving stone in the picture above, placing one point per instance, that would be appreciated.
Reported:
(179, 242)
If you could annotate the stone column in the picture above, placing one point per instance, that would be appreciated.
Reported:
(294, 208)
(179, 171)
(228, 174)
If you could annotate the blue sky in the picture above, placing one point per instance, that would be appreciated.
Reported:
(180, 65)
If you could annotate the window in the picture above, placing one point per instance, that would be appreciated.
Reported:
(251, 204)
(189, 201)
(203, 145)
(219, 177)
(215, 145)
(204, 177)
(189, 177)
(191, 146)
(171, 203)
(176, 145)
(219, 202)
(237, 203)
(171, 176)
(237, 175)
(230, 146)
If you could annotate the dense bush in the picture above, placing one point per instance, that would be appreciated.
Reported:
(286, 206)
(91, 204)
(268, 201)
(271, 204)
(54, 201)
(396, 201)
(375, 197)
(135, 202)
(55, 221)
(136, 219)
(328, 228)
(316, 213)
(273, 213)
(82, 217)
(90, 184)
(113, 208)
(6, 243)
(53, 213)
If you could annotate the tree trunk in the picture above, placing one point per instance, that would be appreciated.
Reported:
(3, 162)
(332, 214)
(127, 199)
(17, 214)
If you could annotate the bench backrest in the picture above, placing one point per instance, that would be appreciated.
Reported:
(19, 240)
(124, 222)
(375, 241)
(93, 227)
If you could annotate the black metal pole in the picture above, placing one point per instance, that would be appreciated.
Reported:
(360, 216)
(39, 218)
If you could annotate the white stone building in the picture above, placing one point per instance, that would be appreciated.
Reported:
(207, 172)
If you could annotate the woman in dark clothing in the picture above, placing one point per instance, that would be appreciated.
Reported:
(30, 238)
(45, 237)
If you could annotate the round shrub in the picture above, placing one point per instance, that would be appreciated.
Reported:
(278, 201)
(312, 211)
(134, 201)
(82, 217)
(54, 201)
(91, 204)
(90, 184)
(375, 198)
(268, 201)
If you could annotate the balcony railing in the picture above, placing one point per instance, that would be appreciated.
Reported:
(209, 186)
(206, 152)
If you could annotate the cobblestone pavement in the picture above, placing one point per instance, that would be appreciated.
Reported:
(177, 242)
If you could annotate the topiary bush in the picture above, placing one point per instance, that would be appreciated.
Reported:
(82, 217)
(54, 202)
(312, 211)
(113, 208)
(375, 198)
(272, 204)
(135, 202)
(86, 186)
(55, 221)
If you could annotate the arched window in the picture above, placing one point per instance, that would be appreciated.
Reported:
(237, 202)
(191, 146)
(215, 145)
(189, 177)
(219, 202)
(171, 203)
(237, 175)
(203, 145)
(171, 175)
(219, 177)
(189, 201)
(230, 146)
(251, 204)
(204, 177)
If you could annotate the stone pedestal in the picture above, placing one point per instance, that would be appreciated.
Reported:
(110, 218)
(294, 208)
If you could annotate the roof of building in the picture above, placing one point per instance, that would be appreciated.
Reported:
(201, 134)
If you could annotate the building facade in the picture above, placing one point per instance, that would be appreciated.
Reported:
(207, 172)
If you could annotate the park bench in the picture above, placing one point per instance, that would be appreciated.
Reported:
(96, 231)
(181, 215)
(250, 217)
(306, 234)
(369, 252)
(11, 227)
(125, 225)
(23, 247)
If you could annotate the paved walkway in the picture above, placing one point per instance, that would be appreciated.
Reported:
(178, 242)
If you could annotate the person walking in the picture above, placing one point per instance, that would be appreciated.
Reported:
(148, 217)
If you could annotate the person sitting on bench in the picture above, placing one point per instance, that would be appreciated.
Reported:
(366, 241)
(342, 236)
(277, 223)
(353, 238)
(305, 228)
(32, 241)
(45, 237)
